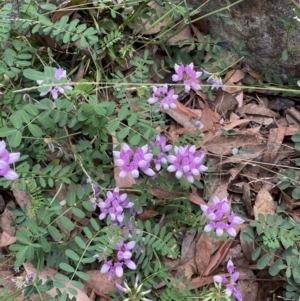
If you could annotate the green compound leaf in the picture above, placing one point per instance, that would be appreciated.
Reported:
(256, 253)
(296, 193)
(83, 276)
(66, 222)
(54, 233)
(66, 267)
(263, 261)
(35, 130)
(275, 267)
(71, 254)
(15, 139)
(248, 234)
(5, 131)
(34, 75)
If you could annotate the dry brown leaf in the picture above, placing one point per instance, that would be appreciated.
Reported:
(188, 246)
(182, 36)
(7, 219)
(99, 282)
(6, 277)
(274, 143)
(79, 74)
(196, 199)
(234, 171)
(183, 115)
(295, 116)
(247, 284)
(147, 214)
(204, 248)
(236, 123)
(224, 103)
(22, 198)
(161, 193)
(232, 77)
(6, 239)
(201, 281)
(49, 272)
(248, 248)
(291, 130)
(218, 257)
(243, 158)
(66, 9)
(223, 145)
(209, 118)
(188, 269)
(264, 203)
(247, 199)
(240, 98)
(254, 109)
(199, 26)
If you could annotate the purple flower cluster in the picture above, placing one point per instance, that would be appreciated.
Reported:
(161, 142)
(220, 218)
(7, 158)
(188, 75)
(114, 206)
(122, 257)
(231, 286)
(215, 82)
(131, 161)
(164, 97)
(55, 88)
(186, 161)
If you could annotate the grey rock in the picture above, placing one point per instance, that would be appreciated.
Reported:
(258, 23)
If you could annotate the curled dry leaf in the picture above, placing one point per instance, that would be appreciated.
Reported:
(6, 239)
(183, 115)
(201, 281)
(209, 118)
(188, 246)
(217, 258)
(196, 199)
(49, 272)
(225, 103)
(182, 36)
(232, 77)
(264, 203)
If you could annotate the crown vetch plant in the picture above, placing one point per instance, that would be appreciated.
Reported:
(188, 75)
(122, 257)
(231, 282)
(113, 205)
(220, 218)
(56, 88)
(186, 162)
